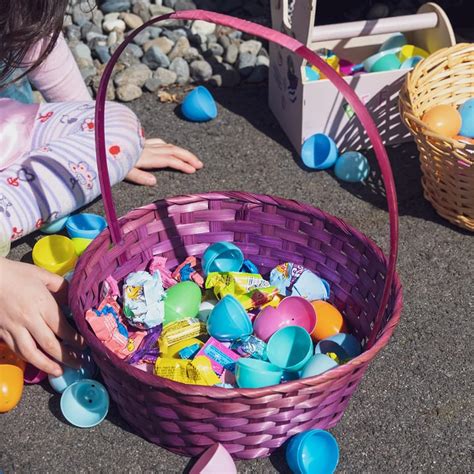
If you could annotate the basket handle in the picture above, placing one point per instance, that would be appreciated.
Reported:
(299, 49)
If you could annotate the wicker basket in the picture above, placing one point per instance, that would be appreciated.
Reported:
(250, 423)
(446, 77)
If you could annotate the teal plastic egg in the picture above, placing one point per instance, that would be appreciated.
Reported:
(352, 167)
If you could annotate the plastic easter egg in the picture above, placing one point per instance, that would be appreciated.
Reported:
(312, 74)
(85, 226)
(409, 51)
(290, 348)
(33, 375)
(445, 120)
(352, 167)
(319, 151)
(469, 141)
(55, 253)
(372, 60)
(55, 227)
(312, 452)
(215, 460)
(80, 245)
(85, 403)
(229, 321)
(467, 117)
(87, 370)
(395, 41)
(310, 286)
(345, 346)
(205, 309)
(387, 62)
(317, 365)
(411, 62)
(199, 105)
(329, 320)
(255, 373)
(11, 378)
(222, 257)
(182, 301)
(292, 311)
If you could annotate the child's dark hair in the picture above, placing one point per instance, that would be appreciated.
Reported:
(22, 24)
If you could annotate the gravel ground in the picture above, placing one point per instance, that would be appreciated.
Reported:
(413, 409)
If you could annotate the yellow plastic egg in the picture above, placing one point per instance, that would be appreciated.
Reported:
(443, 119)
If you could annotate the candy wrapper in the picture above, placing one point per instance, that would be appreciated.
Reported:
(158, 264)
(250, 346)
(110, 288)
(221, 357)
(189, 352)
(180, 331)
(193, 372)
(143, 299)
(108, 326)
(148, 351)
(258, 298)
(233, 283)
(295, 280)
(187, 271)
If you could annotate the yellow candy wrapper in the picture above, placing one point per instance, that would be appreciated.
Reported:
(180, 331)
(259, 297)
(193, 372)
(233, 283)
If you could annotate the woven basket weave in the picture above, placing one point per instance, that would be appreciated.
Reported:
(250, 423)
(446, 77)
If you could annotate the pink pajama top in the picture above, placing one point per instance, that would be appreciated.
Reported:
(58, 79)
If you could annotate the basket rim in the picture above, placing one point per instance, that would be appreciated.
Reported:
(154, 381)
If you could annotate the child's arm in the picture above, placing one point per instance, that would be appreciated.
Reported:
(58, 78)
(31, 322)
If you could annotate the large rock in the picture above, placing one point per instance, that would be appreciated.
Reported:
(136, 75)
(166, 77)
(142, 9)
(131, 20)
(260, 72)
(113, 25)
(142, 37)
(246, 63)
(81, 51)
(155, 58)
(115, 6)
(81, 14)
(128, 92)
(163, 43)
(192, 54)
(216, 49)
(110, 88)
(201, 71)
(159, 10)
(231, 54)
(181, 68)
(203, 28)
(251, 46)
(180, 48)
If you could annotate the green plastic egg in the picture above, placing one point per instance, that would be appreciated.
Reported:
(182, 301)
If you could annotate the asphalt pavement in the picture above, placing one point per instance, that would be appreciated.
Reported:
(413, 409)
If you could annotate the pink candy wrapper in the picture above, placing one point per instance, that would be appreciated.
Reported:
(221, 357)
(158, 264)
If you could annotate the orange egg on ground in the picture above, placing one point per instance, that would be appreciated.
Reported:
(469, 141)
(329, 320)
(443, 119)
(11, 378)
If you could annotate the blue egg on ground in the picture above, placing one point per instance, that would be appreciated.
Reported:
(55, 227)
(352, 167)
(467, 115)
(199, 105)
(319, 152)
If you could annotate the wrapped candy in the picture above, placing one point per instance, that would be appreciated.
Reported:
(110, 288)
(187, 271)
(221, 357)
(158, 264)
(295, 280)
(250, 346)
(143, 299)
(180, 331)
(234, 283)
(193, 372)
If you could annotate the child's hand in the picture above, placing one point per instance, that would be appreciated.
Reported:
(158, 154)
(30, 318)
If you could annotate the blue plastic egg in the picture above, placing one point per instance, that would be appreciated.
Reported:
(467, 115)
(319, 151)
(352, 167)
(199, 105)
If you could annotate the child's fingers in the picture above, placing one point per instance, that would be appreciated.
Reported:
(25, 347)
(186, 156)
(53, 282)
(151, 153)
(143, 178)
(177, 164)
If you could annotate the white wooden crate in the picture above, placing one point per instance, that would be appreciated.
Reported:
(306, 107)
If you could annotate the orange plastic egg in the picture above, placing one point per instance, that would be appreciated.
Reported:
(11, 378)
(329, 320)
(469, 141)
(443, 119)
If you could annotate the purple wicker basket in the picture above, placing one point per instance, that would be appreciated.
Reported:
(250, 423)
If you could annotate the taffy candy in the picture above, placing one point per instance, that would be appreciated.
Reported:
(158, 264)
(234, 283)
(180, 331)
(250, 346)
(194, 372)
(110, 288)
(295, 280)
(258, 298)
(148, 351)
(143, 299)
(221, 357)
(108, 326)
(187, 271)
